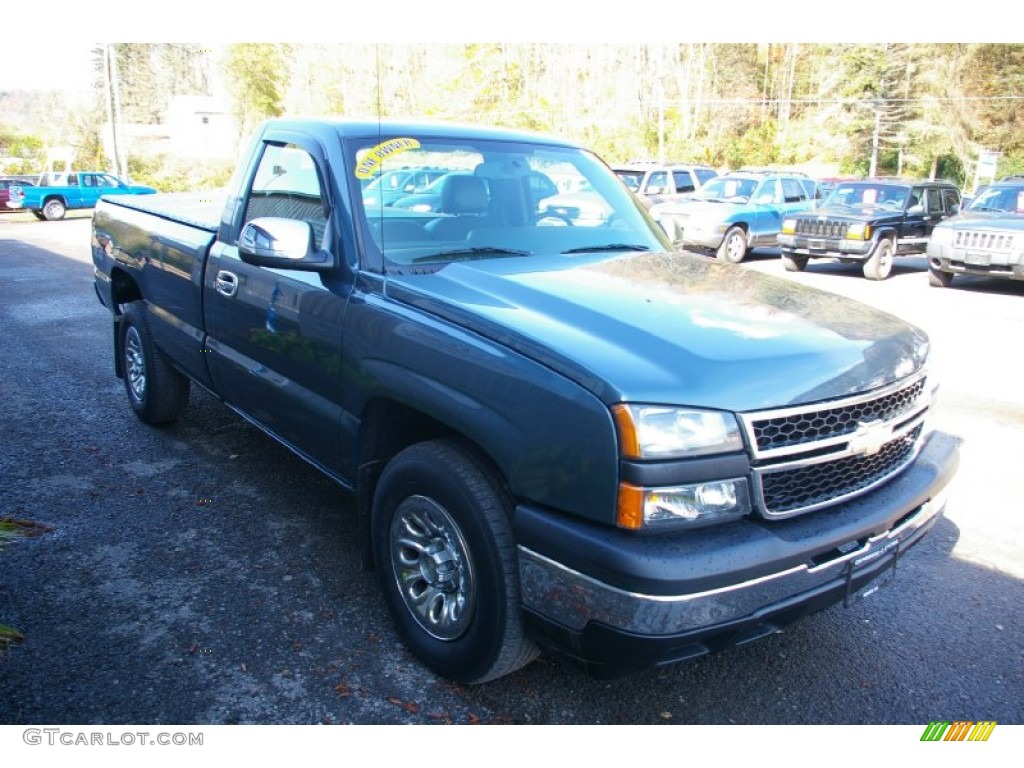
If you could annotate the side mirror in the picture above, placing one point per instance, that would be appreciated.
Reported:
(765, 199)
(282, 244)
(915, 210)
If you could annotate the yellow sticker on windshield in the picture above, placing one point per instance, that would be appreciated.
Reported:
(374, 157)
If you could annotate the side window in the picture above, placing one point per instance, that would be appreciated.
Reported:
(792, 192)
(769, 192)
(287, 186)
(72, 180)
(705, 175)
(933, 202)
(950, 200)
(657, 183)
(684, 181)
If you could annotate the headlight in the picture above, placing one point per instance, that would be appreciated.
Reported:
(665, 432)
(858, 232)
(687, 506)
(789, 226)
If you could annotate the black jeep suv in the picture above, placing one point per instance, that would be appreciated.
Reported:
(870, 222)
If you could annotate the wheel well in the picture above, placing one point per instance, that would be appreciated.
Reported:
(123, 289)
(387, 428)
(58, 198)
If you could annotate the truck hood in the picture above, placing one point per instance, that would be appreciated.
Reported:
(986, 220)
(672, 329)
(698, 209)
(853, 213)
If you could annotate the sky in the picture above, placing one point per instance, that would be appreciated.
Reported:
(67, 66)
(60, 58)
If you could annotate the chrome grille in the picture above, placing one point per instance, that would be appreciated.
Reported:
(826, 483)
(822, 229)
(997, 242)
(810, 457)
(813, 425)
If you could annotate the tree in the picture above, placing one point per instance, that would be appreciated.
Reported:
(258, 76)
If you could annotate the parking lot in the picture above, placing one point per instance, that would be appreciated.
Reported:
(203, 574)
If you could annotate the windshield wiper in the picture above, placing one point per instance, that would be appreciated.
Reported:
(477, 251)
(609, 247)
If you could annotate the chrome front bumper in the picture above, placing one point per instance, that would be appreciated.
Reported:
(561, 596)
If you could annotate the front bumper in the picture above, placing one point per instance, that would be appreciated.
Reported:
(960, 261)
(623, 606)
(826, 248)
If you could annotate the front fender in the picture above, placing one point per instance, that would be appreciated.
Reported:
(553, 440)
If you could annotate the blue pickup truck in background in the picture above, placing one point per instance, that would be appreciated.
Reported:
(58, 193)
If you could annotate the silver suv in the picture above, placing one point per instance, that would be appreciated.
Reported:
(660, 183)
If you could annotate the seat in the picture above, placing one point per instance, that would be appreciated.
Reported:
(466, 201)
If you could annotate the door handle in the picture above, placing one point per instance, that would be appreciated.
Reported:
(227, 283)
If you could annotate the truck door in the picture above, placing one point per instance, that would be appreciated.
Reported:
(73, 196)
(97, 185)
(275, 335)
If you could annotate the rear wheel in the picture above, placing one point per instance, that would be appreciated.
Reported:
(793, 263)
(54, 210)
(734, 246)
(39, 215)
(938, 278)
(445, 551)
(879, 264)
(156, 392)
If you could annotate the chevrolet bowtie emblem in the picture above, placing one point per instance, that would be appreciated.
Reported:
(869, 438)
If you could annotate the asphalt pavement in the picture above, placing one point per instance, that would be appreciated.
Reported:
(202, 574)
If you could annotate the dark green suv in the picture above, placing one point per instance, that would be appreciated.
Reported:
(869, 222)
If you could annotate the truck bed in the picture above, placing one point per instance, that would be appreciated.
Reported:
(196, 209)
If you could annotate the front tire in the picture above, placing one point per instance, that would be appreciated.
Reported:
(794, 263)
(879, 264)
(939, 279)
(444, 548)
(734, 246)
(156, 392)
(54, 210)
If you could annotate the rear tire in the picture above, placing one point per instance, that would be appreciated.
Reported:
(939, 279)
(794, 263)
(54, 210)
(38, 215)
(444, 548)
(156, 392)
(879, 264)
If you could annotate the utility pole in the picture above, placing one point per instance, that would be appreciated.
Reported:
(873, 171)
(114, 108)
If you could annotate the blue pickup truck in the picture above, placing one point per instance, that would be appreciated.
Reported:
(57, 193)
(556, 435)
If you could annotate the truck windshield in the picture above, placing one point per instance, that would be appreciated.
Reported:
(433, 201)
(869, 195)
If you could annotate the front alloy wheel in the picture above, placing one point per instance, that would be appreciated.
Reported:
(879, 264)
(441, 530)
(734, 246)
(432, 569)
